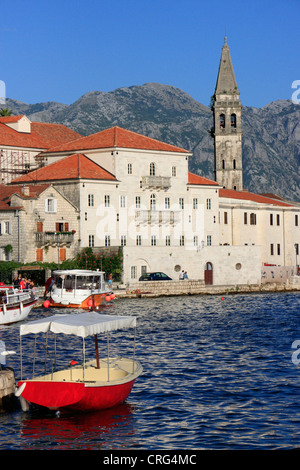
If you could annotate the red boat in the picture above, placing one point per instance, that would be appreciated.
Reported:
(95, 384)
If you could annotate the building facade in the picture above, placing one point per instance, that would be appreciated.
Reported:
(37, 223)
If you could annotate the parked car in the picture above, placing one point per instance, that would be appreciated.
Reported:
(155, 277)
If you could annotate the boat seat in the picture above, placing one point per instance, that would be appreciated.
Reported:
(68, 284)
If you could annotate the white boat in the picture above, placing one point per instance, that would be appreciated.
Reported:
(78, 288)
(93, 385)
(15, 304)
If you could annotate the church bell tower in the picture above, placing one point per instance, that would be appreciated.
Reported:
(227, 110)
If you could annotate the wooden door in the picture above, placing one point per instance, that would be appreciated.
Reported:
(208, 273)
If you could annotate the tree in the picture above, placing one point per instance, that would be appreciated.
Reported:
(5, 112)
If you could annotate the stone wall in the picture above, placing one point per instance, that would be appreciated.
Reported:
(168, 287)
(7, 388)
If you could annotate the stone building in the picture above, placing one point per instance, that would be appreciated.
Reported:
(37, 223)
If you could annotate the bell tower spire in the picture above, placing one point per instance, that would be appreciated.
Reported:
(227, 110)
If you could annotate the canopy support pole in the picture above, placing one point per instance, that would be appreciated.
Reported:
(97, 352)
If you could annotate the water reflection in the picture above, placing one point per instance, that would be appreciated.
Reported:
(92, 431)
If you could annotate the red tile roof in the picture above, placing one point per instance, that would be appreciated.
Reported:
(197, 179)
(116, 137)
(247, 196)
(6, 193)
(72, 167)
(42, 135)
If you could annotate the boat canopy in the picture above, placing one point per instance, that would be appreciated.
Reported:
(80, 324)
(77, 272)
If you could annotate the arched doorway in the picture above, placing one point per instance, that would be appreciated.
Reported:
(208, 273)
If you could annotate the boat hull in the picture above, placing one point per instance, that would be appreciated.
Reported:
(90, 303)
(75, 396)
(16, 312)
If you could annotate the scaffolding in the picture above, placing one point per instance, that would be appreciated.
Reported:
(14, 163)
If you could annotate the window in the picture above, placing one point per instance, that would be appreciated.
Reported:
(297, 248)
(91, 240)
(181, 203)
(208, 240)
(173, 170)
(223, 164)
(168, 240)
(62, 254)
(252, 219)
(208, 204)
(278, 248)
(129, 168)
(195, 203)
(167, 203)
(39, 254)
(296, 220)
(153, 240)
(85, 216)
(122, 201)
(133, 272)
(225, 218)
(271, 219)
(90, 200)
(7, 229)
(222, 121)
(138, 202)
(107, 240)
(152, 202)
(233, 121)
(39, 227)
(245, 218)
(61, 227)
(50, 205)
(234, 164)
(107, 200)
(278, 219)
(143, 270)
(123, 240)
(152, 169)
(195, 240)
(272, 249)
(139, 240)
(181, 240)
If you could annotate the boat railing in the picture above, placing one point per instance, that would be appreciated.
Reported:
(14, 296)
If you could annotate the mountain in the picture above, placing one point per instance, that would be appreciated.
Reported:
(271, 135)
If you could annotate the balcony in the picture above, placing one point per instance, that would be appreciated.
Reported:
(156, 182)
(145, 217)
(54, 238)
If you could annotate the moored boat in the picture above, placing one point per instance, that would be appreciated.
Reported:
(78, 288)
(96, 384)
(15, 304)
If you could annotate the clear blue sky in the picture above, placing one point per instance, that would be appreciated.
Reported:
(58, 50)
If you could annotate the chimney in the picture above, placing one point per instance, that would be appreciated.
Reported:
(25, 190)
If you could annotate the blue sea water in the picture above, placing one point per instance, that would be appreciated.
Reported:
(218, 375)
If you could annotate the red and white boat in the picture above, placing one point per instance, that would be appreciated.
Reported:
(15, 304)
(78, 288)
(95, 384)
